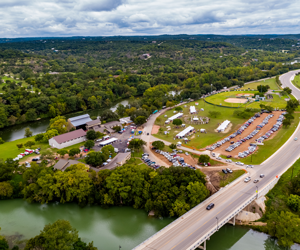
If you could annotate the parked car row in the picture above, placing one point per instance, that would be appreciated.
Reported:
(264, 122)
(227, 170)
(174, 158)
(27, 152)
(149, 162)
(238, 132)
(250, 150)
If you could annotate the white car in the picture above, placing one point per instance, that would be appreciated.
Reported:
(186, 153)
(247, 179)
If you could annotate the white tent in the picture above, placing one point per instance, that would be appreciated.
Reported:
(223, 126)
(192, 109)
(184, 132)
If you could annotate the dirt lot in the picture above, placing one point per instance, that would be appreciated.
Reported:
(236, 100)
(244, 146)
(155, 129)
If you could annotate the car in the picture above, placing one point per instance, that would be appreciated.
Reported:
(210, 206)
(228, 170)
(120, 132)
(147, 133)
(224, 171)
(296, 139)
(219, 158)
(262, 176)
(247, 179)
(186, 153)
(256, 180)
(229, 156)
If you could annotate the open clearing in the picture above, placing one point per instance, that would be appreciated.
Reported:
(271, 82)
(235, 100)
(244, 146)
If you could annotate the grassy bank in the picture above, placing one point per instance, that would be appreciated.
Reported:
(228, 178)
(10, 150)
(271, 82)
(296, 81)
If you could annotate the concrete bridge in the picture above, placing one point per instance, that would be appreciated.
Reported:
(195, 227)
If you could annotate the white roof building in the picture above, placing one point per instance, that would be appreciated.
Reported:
(175, 117)
(223, 126)
(184, 132)
(192, 109)
(106, 142)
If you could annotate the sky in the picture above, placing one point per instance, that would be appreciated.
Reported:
(44, 18)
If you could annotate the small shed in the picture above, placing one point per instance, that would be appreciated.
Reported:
(202, 130)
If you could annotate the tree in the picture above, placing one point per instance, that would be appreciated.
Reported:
(294, 202)
(286, 123)
(1, 141)
(99, 134)
(91, 135)
(169, 104)
(178, 109)
(177, 122)
(203, 159)
(214, 113)
(172, 146)
(47, 155)
(49, 134)
(74, 151)
(6, 190)
(59, 123)
(39, 137)
(59, 235)
(284, 226)
(197, 193)
(287, 90)
(62, 152)
(31, 114)
(263, 88)
(117, 128)
(95, 159)
(136, 144)
(89, 144)
(293, 104)
(29, 144)
(20, 145)
(158, 144)
(3, 244)
(140, 120)
(28, 132)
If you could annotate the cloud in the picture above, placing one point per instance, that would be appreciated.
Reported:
(24, 18)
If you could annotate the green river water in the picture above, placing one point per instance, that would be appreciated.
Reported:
(114, 227)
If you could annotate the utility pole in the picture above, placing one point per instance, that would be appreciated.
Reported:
(256, 192)
(217, 223)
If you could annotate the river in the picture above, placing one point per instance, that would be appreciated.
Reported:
(17, 131)
(117, 226)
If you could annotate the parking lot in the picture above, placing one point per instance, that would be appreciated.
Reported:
(121, 144)
(246, 139)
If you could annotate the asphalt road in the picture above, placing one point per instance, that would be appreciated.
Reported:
(195, 225)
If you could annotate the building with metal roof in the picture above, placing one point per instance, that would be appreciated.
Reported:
(79, 121)
(63, 164)
(184, 132)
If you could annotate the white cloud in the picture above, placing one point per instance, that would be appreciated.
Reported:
(23, 18)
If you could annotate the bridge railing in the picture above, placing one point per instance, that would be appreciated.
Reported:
(178, 220)
(234, 213)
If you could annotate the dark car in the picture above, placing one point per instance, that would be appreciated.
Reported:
(229, 156)
(210, 206)
(262, 176)
(147, 133)
(231, 142)
(224, 171)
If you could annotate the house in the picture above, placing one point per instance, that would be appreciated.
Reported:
(68, 139)
(123, 157)
(107, 127)
(89, 125)
(125, 121)
(64, 164)
(78, 122)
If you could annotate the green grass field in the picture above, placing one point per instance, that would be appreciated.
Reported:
(296, 81)
(201, 140)
(10, 150)
(271, 82)
(227, 178)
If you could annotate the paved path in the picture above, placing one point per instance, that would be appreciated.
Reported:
(188, 229)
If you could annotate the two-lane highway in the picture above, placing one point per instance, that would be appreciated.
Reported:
(188, 229)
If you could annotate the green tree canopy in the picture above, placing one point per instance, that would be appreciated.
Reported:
(158, 144)
(89, 144)
(91, 135)
(177, 122)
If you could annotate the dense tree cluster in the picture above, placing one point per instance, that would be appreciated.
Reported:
(167, 191)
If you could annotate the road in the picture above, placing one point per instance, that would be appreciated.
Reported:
(195, 225)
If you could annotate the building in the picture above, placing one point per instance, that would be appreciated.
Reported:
(125, 121)
(223, 126)
(123, 158)
(107, 142)
(184, 132)
(64, 164)
(178, 115)
(93, 123)
(78, 122)
(192, 109)
(108, 127)
(68, 139)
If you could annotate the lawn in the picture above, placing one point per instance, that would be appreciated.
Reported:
(10, 150)
(201, 140)
(219, 99)
(227, 178)
(296, 81)
(271, 82)
(272, 145)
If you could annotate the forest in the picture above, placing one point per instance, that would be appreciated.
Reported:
(56, 76)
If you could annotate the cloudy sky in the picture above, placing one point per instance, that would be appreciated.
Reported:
(32, 18)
